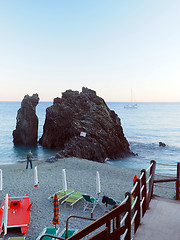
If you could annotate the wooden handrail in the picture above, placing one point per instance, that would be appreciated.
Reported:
(156, 185)
(164, 164)
(106, 219)
(134, 188)
(163, 175)
(147, 169)
(128, 219)
(142, 174)
(151, 182)
(144, 192)
(137, 205)
(165, 180)
(177, 182)
(172, 179)
(73, 216)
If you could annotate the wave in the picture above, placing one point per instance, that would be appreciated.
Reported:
(147, 152)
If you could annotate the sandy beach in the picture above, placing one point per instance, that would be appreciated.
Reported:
(81, 176)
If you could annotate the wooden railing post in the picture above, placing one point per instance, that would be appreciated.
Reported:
(151, 182)
(116, 223)
(137, 205)
(144, 192)
(152, 172)
(177, 182)
(128, 219)
(108, 226)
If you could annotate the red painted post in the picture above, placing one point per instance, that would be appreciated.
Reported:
(177, 182)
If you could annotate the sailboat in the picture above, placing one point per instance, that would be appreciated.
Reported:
(131, 105)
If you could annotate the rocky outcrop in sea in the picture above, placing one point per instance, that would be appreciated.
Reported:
(26, 131)
(82, 125)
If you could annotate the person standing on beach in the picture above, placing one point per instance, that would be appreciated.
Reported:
(29, 159)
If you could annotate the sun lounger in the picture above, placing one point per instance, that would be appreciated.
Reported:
(62, 194)
(90, 202)
(48, 230)
(70, 232)
(73, 198)
(16, 238)
(109, 202)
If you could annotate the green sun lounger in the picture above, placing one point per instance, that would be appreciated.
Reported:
(62, 194)
(73, 198)
(48, 230)
(109, 203)
(70, 232)
(90, 202)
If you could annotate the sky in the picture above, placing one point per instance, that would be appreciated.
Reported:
(110, 46)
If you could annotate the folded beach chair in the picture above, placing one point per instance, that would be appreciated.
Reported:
(90, 202)
(48, 230)
(16, 238)
(109, 202)
(70, 233)
(73, 198)
(62, 194)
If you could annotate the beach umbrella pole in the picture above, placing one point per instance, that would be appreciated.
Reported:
(98, 185)
(64, 180)
(56, 220)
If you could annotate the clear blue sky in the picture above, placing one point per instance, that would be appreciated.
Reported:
(110, 46)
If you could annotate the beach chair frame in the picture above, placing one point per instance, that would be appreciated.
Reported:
(89, 202)
(66, 194)
(16, 238)
(72, 199)
(63, 232)
(44, 232)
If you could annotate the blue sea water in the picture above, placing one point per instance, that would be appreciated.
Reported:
(143, 127)
(146, 126)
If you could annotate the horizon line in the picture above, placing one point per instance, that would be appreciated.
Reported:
(106, 101)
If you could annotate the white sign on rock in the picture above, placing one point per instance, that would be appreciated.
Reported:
(83, 134)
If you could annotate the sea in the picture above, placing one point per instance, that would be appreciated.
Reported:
(144, 127)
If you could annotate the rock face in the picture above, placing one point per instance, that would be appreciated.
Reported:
(26, 131)
(81, 125)
(161, 144)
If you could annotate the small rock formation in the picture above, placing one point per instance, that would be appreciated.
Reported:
(82, 125)
(26, 131)
(161, 144)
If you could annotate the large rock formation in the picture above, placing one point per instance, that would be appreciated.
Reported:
(81, 125)
(26, 131)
